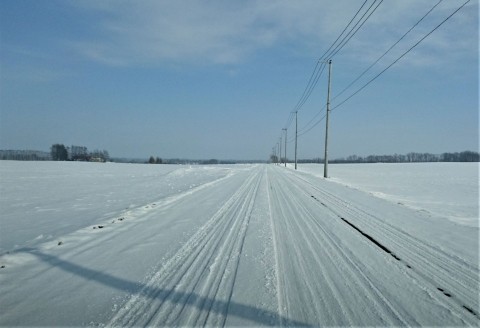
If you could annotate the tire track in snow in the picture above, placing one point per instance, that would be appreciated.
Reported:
(285, 232)
(431, 267)
(194, 287)
(324, 297)
(438, 269)
(279, 284)
(327, 300)
(447, 259)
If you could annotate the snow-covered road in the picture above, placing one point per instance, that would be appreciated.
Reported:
(262, 245)
(352, 266)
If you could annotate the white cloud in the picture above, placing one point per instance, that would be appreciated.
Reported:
(226, 32)
(176, 31)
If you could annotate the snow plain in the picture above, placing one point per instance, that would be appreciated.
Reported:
(159, 245)
(43, 200)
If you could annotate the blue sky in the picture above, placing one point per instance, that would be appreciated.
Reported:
(218, 79)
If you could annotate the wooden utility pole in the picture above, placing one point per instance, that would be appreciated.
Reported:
(285, 147)
(296, 135)
(325, 167)
(280, 146)
(280, 152)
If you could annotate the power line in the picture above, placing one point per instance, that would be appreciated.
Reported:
(308, 130)
(353, 18)
(401, 56)
(350, 34)
(317, 71)
(313, 118)
(302, 131)
(312, 86)
(314, 125)
(297, 106)
(388, 50)
(289, 121)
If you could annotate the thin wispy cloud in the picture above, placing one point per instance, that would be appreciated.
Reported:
(215, 32)
(194, 32)
(453, 40)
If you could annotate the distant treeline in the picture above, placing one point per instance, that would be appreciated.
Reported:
(464, 156)
(78, 153)
(58, 152)
(24, 155)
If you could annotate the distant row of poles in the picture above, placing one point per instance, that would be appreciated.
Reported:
(278, 148)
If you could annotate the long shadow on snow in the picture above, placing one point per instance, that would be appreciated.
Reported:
(259, 316)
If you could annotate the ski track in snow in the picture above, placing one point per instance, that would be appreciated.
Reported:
(333, 262)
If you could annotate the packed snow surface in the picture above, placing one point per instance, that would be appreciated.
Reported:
(159, 245)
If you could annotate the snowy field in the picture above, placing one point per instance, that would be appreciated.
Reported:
(238, 245)
(44, 200)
